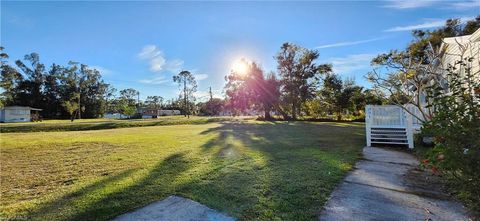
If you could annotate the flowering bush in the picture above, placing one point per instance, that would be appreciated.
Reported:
(455, 125)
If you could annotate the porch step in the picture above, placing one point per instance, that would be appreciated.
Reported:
(388, 138)
(389, 135)
(405, 143)
(389, 124)
(384, 135)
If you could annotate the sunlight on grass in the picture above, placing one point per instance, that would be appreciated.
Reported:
(248, 169)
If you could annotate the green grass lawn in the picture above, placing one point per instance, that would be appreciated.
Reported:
(247, 169)
(99, 124)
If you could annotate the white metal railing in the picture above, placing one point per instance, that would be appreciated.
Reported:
(392, 116)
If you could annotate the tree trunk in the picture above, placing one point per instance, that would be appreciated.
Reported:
(185, 97)
(267, 114)
(294, 110)
(79, 101)
(79, 108)
(339, 116)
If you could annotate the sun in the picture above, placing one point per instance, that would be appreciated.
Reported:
(240, 67)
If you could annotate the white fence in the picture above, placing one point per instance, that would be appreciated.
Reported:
(391, 124)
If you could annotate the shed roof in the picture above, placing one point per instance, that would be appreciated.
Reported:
(21, 108)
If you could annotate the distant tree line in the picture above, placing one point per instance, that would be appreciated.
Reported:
(65, 91)
(61, 91)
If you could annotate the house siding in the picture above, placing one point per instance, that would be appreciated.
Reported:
(15, 115)
(470, 44)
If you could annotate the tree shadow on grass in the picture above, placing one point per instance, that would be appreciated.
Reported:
(254, 171)
(277, 170)
(155, 185)
(65, 200)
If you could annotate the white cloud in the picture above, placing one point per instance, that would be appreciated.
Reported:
(205, 95)
(200, 77)
(466, 4)
(350, 63)
(157, 63)
(174, 66)
(413, 4)
(155, 81)
(157, 60)
(428, 24)
(408, 4)
(347, 43)
(201, 94)
(150, 51)
(164, 67)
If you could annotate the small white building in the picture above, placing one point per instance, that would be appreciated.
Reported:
(155, 113)
(18, 114)
(115, 116)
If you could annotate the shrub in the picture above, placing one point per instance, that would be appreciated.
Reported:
(455, 126)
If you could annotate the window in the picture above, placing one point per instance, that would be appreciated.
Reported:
(19, 112)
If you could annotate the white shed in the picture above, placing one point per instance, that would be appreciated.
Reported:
(18, 114)
(155, 113)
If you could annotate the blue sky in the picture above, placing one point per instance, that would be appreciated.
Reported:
(143, 44)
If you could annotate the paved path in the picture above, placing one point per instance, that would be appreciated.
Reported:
(174, 208)
(378, 190)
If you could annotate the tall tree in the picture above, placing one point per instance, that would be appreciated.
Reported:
(298, 72)
(212, 107)
(110, 98)
(10, 80)
(53, 105)
(187, 82)
(338, 95)
(32, 85)
(72, 82)
(129, 95)
(128, 101)
(83, 88)
(270, 96)
(154, 102)
(252, 90)
(93, 91)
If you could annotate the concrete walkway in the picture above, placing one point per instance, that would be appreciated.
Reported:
(174, 208)
(378, 189)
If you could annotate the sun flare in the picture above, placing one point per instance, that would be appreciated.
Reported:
(240, 67)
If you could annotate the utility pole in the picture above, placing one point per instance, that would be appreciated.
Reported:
(211, 94)
(138, 101)
(187, 114)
